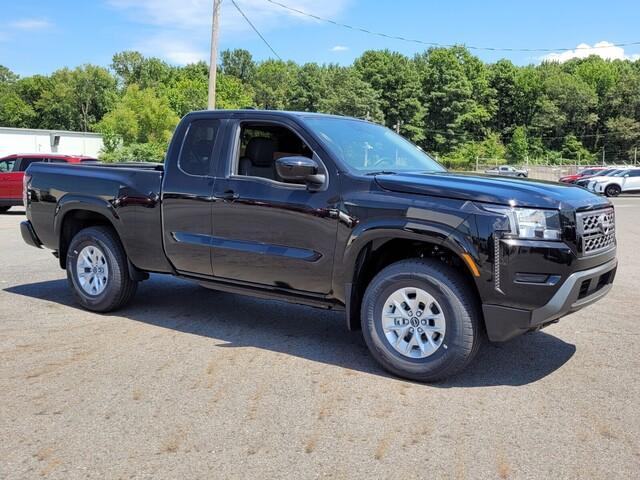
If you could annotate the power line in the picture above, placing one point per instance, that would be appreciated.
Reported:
(255, 29)
(435, 44)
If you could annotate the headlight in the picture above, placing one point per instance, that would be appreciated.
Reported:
(530, 223)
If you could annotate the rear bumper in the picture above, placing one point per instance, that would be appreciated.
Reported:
(29, 234)
(578, 290)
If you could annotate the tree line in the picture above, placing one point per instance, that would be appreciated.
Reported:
(446, 100)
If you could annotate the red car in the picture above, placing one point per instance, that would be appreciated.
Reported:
(587, 172)
(12, 170)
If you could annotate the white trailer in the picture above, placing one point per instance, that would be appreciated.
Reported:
(31, 140)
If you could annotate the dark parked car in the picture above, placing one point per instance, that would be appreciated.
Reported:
(331, 212)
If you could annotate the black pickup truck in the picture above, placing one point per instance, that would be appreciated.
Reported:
(331, 212)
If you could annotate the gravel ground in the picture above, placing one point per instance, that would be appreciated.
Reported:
(190, 383)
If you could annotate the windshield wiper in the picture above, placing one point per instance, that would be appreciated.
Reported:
(381, 172)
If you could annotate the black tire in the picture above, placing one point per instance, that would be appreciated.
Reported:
(120, 288)
(463, 334)
(4, 209)
(612, 190)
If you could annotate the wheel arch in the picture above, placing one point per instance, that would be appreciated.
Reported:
(77, 212)
(375, 249)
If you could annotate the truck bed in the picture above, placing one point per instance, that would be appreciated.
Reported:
(126, 194)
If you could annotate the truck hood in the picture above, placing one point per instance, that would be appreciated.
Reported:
(496, 190)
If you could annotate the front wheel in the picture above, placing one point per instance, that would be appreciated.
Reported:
(4, 209)
(420, 320)
(612, 190)
(97, 270)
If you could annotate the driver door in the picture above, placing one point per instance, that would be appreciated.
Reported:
(265, 231)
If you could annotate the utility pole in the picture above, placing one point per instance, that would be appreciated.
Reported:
(635, 156)
(213, 62)
(603, 156)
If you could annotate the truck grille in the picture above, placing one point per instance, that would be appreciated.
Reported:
(597, 230)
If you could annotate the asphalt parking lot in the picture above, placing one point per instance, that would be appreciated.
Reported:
(190, 383)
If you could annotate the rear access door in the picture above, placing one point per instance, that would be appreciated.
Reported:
(186, 194)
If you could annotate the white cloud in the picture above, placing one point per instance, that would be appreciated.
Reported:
(186, 14)
(339, 48)
(184, 26)
(604, 49)
(30, 24)
(172, 49)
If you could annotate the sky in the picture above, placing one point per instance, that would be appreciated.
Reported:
(42, 36)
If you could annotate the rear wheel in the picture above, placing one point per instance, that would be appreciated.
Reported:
(4, 209)
(97, 270)
(612, 190)
(421, 320)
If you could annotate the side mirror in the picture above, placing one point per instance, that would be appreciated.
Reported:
(299, 170)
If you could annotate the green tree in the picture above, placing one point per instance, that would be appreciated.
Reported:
(311, 88)
(231, 93)
(93, 91)
(457, 97)
(503, 81)
(7, 76)
(350, 95)
(141, 116)
(518, 148)
(187, 95)
(573, 149)
(490, 150)
(134, 68)
(274, 83)
(623, 138)
(238, 63)
(14, 111)
(395, 78)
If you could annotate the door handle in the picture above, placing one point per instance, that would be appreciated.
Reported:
(228, 195)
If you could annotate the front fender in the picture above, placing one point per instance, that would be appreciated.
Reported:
(455, 236)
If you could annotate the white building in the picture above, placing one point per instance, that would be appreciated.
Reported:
(31, 140)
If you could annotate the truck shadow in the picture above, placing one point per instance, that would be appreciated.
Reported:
(314, 334)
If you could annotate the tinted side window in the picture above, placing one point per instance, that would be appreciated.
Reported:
(25, 162)
(197, 149)
(56, 160)
(7, 165)
(634, 173)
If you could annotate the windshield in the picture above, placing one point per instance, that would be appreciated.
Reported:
(603, 173)
(619, 173)
(366, 147)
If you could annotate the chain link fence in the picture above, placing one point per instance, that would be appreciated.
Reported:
(544, 172)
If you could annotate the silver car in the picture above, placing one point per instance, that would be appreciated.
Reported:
(508, 171)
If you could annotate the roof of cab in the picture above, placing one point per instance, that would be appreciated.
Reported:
(283, 113)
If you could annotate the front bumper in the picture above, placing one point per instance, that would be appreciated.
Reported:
(578, 290)
(29, 234)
